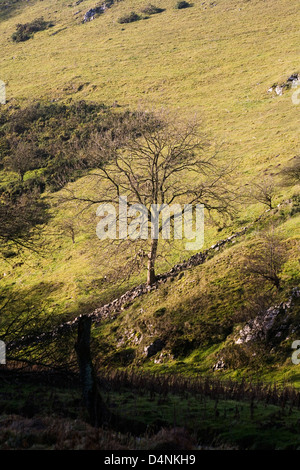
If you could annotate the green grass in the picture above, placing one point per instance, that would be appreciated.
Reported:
(217, 62)
(198, 316)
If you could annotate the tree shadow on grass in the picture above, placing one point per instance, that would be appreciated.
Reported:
(26, 311)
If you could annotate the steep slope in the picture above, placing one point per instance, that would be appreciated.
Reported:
(215, 59)
(212, 318)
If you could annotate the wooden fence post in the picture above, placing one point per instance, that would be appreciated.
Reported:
(93, 401)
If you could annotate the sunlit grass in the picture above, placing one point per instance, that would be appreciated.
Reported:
(215, 61)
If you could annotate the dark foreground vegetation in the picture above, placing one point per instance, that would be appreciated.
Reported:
(44, 410)
(40, 143)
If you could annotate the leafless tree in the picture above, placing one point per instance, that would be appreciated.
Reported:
(68, 227)
(22, 158)
(21, 219)
(163, 162)
(264, 191)
(265, 260)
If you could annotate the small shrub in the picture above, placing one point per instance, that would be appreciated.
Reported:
(160, 312)
(296, 205)
(152, 10)
(20, 35)
(182, 4)
(9, 254)
(25, 31)
(130, 18)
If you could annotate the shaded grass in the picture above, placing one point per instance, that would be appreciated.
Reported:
(198, 419)
(215, 421)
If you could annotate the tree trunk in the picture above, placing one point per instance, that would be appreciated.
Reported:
(97, 410)
(276, 281)
(151, 262)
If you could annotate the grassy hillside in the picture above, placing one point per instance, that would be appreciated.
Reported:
(215, 59)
